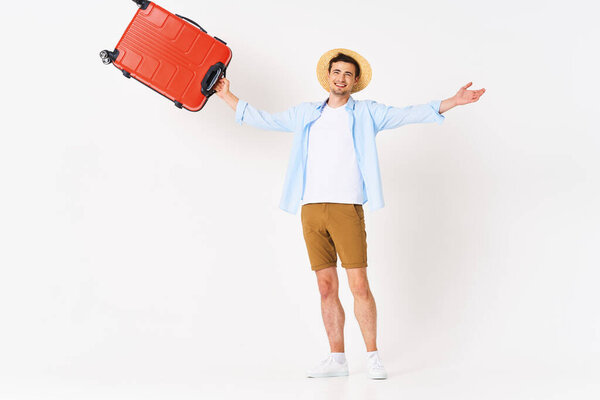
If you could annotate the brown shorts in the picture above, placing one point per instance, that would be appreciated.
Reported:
(331, 227)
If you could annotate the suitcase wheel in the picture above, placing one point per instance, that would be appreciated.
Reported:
(178, 104)
(126, 74)
(109, 56)
(105, 56)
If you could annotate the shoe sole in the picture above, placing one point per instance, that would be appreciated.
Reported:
(327, 375)
(378, 377)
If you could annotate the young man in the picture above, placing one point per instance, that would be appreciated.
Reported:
(333, 170)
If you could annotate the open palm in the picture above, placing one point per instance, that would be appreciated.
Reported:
(464, 96)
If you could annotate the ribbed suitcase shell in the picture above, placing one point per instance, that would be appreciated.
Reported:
(169, 55)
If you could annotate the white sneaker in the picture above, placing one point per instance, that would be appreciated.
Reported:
(375, 369)
(328, 367)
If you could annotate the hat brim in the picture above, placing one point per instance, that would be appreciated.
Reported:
(323, 69)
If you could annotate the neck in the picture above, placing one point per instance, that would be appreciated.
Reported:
(336, 100)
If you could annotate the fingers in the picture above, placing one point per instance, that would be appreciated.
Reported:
(221, 84)
(469, 96)
(478, 94)
(475, 94)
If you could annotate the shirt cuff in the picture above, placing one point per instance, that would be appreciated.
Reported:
(435, 104)
(239, 111)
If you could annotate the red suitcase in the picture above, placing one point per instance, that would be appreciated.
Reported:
(171, 54)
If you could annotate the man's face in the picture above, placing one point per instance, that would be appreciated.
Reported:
(342, 78)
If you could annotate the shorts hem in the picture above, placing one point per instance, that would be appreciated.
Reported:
(323, 266)
(354, 265)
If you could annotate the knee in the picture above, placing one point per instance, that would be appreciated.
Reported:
(327, 289)
(361, 290)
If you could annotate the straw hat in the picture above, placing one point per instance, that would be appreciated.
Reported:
(323, 66)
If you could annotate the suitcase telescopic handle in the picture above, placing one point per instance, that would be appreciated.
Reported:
(211, 77)
(191, 22)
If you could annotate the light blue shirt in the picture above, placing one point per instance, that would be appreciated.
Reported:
(367, 118)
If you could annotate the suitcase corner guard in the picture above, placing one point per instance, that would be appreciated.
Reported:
(143, 4)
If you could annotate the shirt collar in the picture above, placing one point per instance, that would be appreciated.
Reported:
(349, 105)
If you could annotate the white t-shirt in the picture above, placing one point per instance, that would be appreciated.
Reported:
(332, 173)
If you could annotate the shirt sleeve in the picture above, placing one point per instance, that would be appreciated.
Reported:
(390, 117)
(283, 121)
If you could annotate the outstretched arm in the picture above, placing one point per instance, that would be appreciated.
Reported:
(390, 117)
(285, 121)
(463, 96)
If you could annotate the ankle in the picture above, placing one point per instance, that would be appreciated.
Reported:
(339, 357)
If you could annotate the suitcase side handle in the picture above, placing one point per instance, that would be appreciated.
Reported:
(211, 77)
(191, 22)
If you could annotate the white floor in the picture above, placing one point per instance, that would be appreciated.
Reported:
(160, 381)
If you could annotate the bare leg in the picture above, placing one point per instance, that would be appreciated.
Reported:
(331, 308)
(364, 305)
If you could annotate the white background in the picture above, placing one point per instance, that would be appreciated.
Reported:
(142, 250)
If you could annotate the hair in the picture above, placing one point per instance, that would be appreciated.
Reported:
(345, 58)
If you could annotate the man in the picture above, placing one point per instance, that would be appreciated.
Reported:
(333, 170)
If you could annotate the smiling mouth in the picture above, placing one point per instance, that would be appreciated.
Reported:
(340, 86)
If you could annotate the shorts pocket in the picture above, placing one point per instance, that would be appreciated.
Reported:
(359, 211)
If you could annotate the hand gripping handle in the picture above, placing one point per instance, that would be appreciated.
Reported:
(211, 77)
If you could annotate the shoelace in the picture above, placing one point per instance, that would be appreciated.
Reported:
(375, 363)
(326, 361)
(329, 360)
